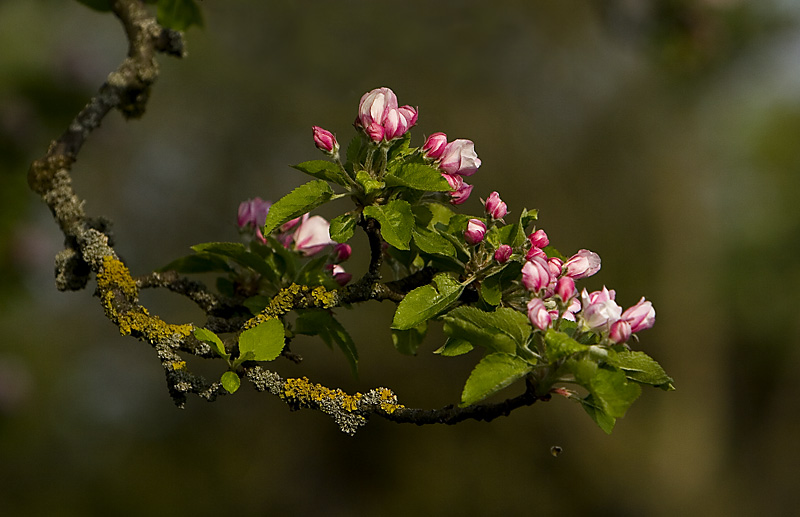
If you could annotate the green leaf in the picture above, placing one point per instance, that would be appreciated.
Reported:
(98, 5)
(561, 345)
(454, 347)
(610, 393)
(613, 391)
(179, 15)
(407, 341)
(400, 147)
(439, 214)
(642, 368)
(300, 201)
(430, 241)
(354, 148)
(197, 263)
(499, 331)
(265, 341)
(492, 286)
(396, 221)
(343, 227)
(600, 417)
(324, 170)
(427, 301)
(230, 381)
(493, 373)
(322, 323)
(417, 176)
(239, 253)
(206, 336)
(368, 183)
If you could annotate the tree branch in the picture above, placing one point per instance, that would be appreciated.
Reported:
(89, 249)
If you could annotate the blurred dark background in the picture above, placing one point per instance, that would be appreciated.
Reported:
(663, 135)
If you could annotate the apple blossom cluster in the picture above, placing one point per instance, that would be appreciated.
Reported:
(550, 282)
(380, 118)
(492, 285)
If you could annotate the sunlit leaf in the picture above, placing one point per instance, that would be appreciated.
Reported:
(493, 373)
(396, 221)
(454, 347)
(642, 368)
(502, 330)
(300, 201)
(230, 381)
(323, 170)
(417, 176)
(427, 301)
(265, 341)
(559, 345)
(343, 227)
(206, 336)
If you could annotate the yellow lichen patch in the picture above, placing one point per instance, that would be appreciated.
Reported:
(306, 393)
(114, 274)
(151, 327)
(389, 400)
(178, 365)
(323, 298)
(294, 297)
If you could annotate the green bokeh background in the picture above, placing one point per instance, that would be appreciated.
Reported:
(662, 135)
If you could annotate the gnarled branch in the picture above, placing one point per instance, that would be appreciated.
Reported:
(89, 249)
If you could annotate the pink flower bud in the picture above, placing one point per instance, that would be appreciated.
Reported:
(407, 117)
(434, 145)
(565, 288)
(374, 105)
(398, 121)
(555, 264)
(459, 157)
(599, 309)
(598, 296)
(253, 212)
(461, 195)
(476, 230)
(340, 275)
(342, 252)
(539, 239)
(503, 253)
(538, 314)
(312, 235)
(620, 331)
(535, 274)
(495, 207)
(583, 264)
(375, 132)
(455, 182)
(380, 116)
(535, 252)
(641, 316)
(325, 140)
